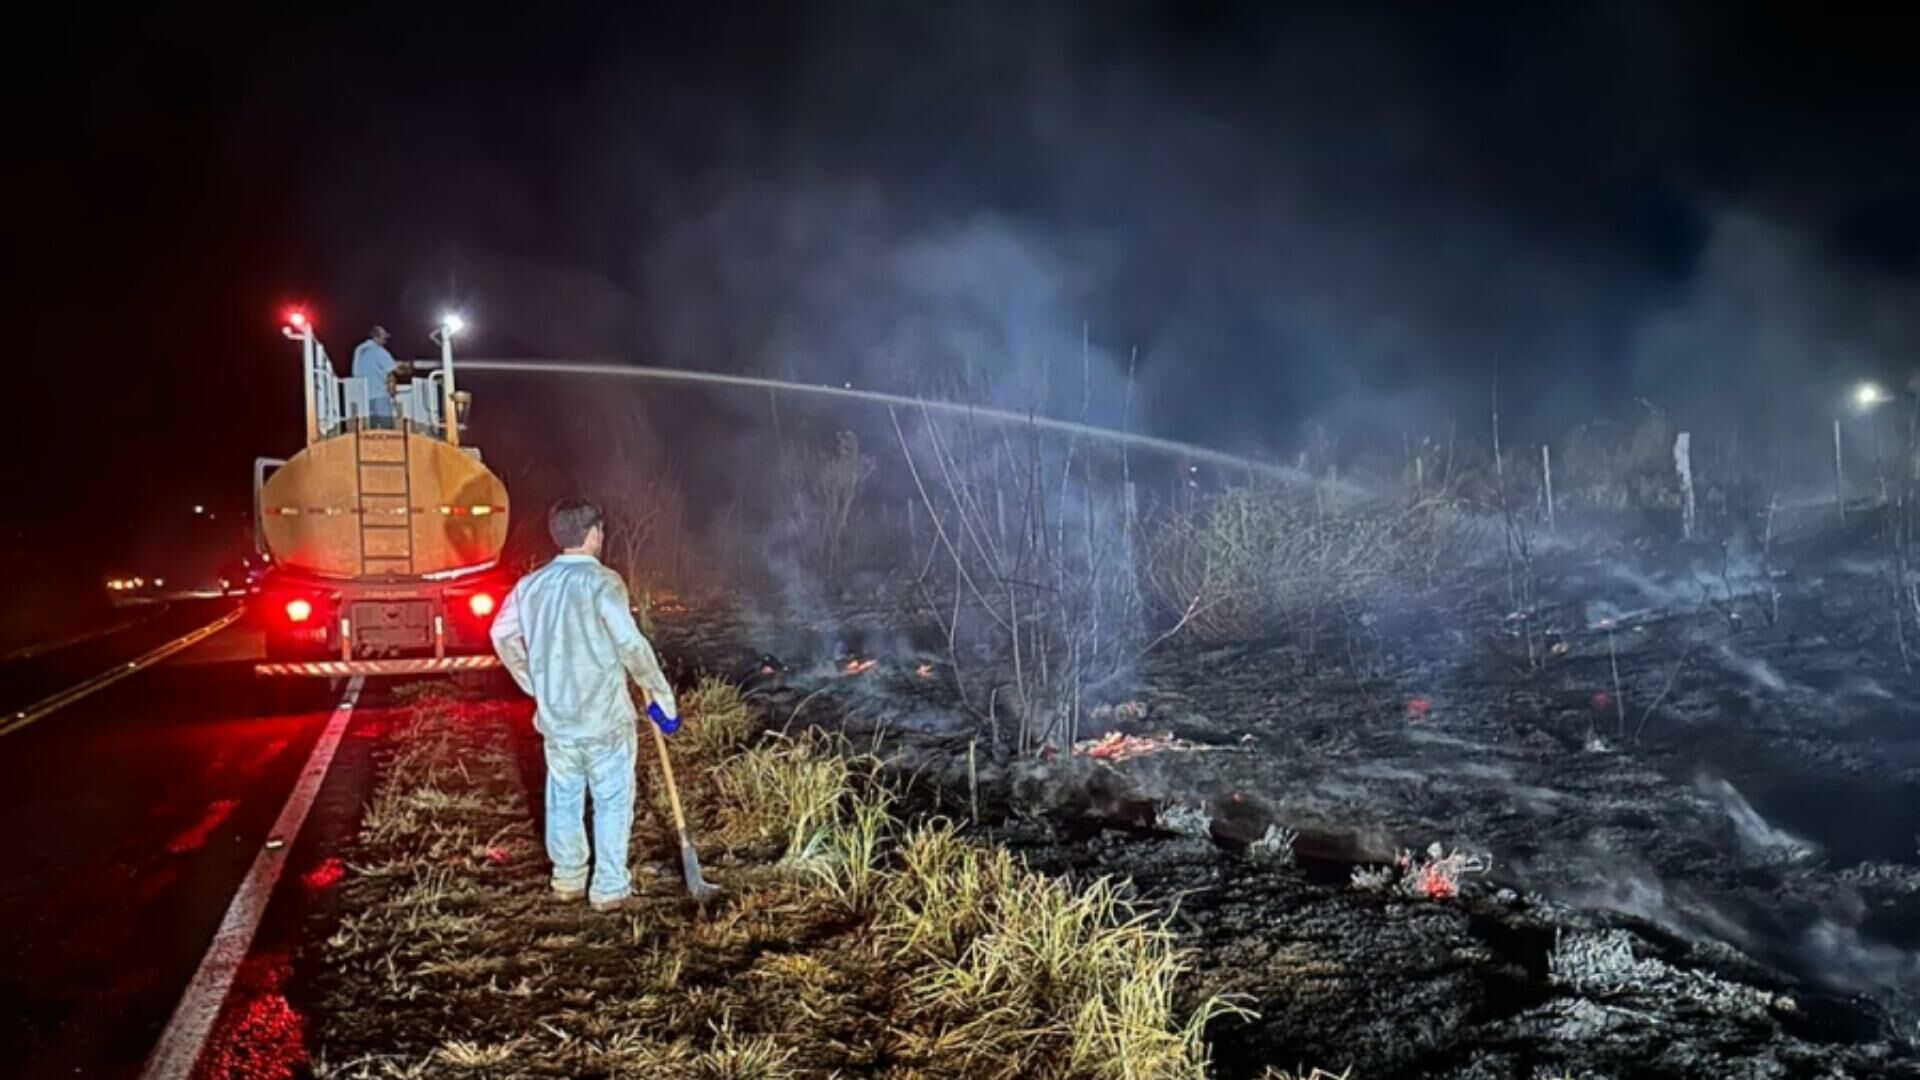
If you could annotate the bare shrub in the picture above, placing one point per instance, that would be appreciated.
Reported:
(1259, 560)
(646, 531)
(1027, 569)
(1610, 465)
(824, 484)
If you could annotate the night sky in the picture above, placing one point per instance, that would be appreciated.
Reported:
(1345, 214)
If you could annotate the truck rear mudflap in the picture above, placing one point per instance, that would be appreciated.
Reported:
(421, 665)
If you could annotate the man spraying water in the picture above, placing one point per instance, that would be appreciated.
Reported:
(567, 635)
(372, 362)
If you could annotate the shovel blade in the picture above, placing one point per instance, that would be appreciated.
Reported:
(697, 886)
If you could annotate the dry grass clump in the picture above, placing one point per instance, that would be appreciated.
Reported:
(717, 719)
(867, 948)
(1262, 559)
(944, 893)
(1025, 975)
(785, 790)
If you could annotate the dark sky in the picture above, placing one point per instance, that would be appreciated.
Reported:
(1345, 213)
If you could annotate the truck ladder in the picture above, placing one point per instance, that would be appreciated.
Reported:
(384, 480)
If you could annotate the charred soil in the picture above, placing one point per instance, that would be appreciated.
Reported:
(1681, 789)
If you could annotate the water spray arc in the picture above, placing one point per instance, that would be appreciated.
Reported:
(1283, 473)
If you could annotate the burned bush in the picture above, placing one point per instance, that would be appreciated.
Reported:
(1260, 560)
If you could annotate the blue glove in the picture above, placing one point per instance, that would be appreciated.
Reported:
(667, 724)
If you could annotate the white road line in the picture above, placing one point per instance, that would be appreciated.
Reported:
(180, 1044)
(48, 706)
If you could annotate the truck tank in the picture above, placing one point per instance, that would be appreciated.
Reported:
(383, 504)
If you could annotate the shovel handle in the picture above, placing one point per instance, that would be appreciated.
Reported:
(673, 790)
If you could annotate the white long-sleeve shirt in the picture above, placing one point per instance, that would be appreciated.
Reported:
(566, 634)
(372, 362)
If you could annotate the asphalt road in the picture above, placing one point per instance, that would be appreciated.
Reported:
(130, 818)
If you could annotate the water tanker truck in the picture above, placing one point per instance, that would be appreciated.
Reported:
(383, 535)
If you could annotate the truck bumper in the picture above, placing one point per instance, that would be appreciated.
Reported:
(425, 665)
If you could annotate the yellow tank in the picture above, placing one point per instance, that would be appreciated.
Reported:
(383, 504)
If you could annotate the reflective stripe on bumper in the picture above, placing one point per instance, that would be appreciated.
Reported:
(426, 665)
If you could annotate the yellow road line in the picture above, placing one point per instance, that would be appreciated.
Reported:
(64, 698)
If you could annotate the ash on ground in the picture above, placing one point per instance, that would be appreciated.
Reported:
(1683, 803)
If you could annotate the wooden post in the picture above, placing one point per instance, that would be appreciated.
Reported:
(1498, 468)
(1683, 464)
(1839, 475)
(1546, 468)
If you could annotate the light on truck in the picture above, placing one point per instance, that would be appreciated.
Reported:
(452, 322)
(481, 510)
(298, 610)
(481, 604)
(298, 318)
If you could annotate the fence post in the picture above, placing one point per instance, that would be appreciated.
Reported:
(1683, 464)
(1839, 475)
(1546, 467)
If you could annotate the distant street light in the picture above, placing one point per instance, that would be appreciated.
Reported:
(1868, 396)
(199, 509)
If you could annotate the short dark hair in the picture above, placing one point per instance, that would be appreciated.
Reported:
(571, 520)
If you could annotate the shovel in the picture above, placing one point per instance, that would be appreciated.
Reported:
(697, 886)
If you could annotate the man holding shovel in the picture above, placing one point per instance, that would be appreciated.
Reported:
(567, 635)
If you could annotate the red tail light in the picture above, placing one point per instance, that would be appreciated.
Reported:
(299, 610)
(481, 604)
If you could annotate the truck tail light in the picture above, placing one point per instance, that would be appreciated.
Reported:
(299, 610)
(481, 604)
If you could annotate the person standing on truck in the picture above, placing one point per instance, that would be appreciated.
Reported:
(372, 362)
(566, 634)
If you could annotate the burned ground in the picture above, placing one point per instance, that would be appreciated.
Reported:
(1696, 781)
(1656, 822)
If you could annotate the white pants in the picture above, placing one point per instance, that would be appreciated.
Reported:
(603, 767)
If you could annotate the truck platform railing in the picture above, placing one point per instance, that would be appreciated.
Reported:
(344, 403)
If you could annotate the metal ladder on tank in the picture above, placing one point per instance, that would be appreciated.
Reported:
(383, 477)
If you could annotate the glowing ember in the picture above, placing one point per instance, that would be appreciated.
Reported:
(860, 667)
(925, 671)
(1602, 701)
(1113, 746)
(1418, 707)
(498, 856)
(1437, 884)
